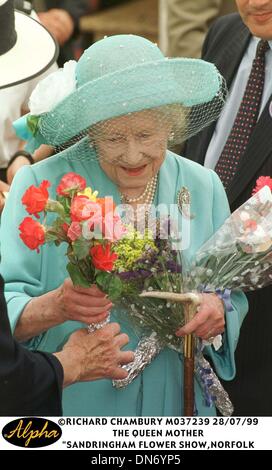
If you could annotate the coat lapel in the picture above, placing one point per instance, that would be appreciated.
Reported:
(227, 58)
(258, 149)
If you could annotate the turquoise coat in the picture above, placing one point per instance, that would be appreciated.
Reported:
(158, 391)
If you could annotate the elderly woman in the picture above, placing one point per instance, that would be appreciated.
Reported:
(127, 104)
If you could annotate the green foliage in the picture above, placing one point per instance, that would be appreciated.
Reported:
(33, 124)
(81, 248)
(109, 283)
(130, 249)
(75, 274)
(51, 236)
(66, 203)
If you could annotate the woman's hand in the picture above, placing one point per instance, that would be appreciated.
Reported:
(2, 201)
(209, 320)
(12, 169)
(87, 305)
(42, 152)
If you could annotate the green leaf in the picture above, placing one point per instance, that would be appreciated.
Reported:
(115, 288)
(56, 207)
(110, 284)
(81, 248)
(77, 278)
(66, 203)
(33, 124)
(51, 237)
(56, 226)
(102, 279)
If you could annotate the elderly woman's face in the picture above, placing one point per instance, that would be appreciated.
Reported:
(132, 148)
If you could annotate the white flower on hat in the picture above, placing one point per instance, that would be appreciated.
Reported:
(53, 89)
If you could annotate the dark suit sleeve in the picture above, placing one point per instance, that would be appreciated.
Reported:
(220, 29)
(30, 383)
(217, 32)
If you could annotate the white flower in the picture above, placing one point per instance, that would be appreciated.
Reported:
(53, 89)
(264, 195)
(244, 215)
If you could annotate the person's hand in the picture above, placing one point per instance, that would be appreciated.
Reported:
(43, 152)
(4, 188)
(95, 356)
(15, 166)
(209, 320)
(2, 201)
(88, 305)
(59, 23)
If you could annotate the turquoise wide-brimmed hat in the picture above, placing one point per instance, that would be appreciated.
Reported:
(127, 74)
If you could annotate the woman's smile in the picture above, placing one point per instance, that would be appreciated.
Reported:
(132, 161)
(136, 171)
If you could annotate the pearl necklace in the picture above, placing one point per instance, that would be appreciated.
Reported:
(148, 193)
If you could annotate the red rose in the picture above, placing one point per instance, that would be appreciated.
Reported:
(261, 182)
(32, 233)
(70, 182)
(102, 257)
(35, 198)
(83, 209)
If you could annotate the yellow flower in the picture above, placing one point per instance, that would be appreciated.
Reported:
(131, 248)
(89, 194)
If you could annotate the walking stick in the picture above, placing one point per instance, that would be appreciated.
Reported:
(191, 301)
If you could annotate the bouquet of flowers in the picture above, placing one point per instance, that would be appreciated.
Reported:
(101, 249)
(238, 256)
(85, 222)
(141, 269)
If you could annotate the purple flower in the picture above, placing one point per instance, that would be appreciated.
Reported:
(134, 275)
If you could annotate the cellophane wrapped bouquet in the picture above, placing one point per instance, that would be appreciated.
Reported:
(237, 257)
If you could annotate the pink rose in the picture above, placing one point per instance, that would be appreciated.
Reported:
(70, 182)
(261, 182)
(83, 209)
(113, 227)
(74, 231)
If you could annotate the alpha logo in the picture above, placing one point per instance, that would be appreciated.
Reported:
(31, 432)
